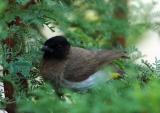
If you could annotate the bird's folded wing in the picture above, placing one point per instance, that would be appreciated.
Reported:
(81, 65)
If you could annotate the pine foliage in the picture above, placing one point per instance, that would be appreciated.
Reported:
(89, 24)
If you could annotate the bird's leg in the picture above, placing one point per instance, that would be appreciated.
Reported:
(56, 83)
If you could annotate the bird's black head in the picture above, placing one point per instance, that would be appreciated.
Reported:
(56, 47)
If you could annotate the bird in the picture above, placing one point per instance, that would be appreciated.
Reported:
(72, 67)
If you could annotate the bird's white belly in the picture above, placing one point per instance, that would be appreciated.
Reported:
(94, 79)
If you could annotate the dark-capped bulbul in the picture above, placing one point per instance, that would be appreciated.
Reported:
(66, 66)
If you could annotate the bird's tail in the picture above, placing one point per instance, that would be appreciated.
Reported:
(105, 57)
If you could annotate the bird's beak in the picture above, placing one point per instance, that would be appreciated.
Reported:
(46, 48)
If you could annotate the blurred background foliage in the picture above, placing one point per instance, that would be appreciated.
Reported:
(92, 24)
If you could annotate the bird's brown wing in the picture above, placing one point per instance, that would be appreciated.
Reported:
(82, 63)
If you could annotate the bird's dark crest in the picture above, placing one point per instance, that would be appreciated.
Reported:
(56, 47)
